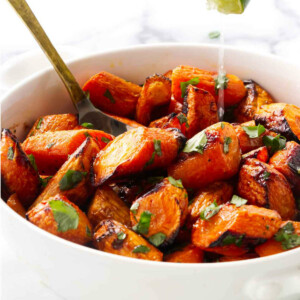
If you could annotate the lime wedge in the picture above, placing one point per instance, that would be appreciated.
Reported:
(228, 6)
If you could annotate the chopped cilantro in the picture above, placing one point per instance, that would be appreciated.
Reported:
(71, 179)
(10, 153)
(183, 120)
(134, 207)
(185, 84)
(141, 249)
(287, 237)
(157, 239)
(88, 125)
(210, 211)
(238, 201)
(105, 140)
(177, 183)
(196, 144)
(121, 235)
(266, 175)
(214, 34)
(87, 134)
(143, 225)
(275, 143)
(44, 181)
(88, 231)
(233, 239)
(157, 151)
(221, 82)
(50, 145)
(109, 96)
(222, 125)
(38, 126)
(254, 131)
(227, 141)
(32, 161)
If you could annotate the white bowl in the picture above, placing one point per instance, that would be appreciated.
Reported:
(78, 272)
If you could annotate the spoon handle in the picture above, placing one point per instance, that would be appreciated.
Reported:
(26, 14)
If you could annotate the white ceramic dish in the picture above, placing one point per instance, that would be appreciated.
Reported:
(78, 272)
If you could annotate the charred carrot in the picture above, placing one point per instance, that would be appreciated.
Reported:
(261, 154)
(189, 254)
(15, 204)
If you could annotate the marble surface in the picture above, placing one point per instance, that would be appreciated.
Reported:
(80, 27)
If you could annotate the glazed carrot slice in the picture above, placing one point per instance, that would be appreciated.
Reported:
(211, 155)
(51, 149)
(236, 258)
(62, 218)
(137, 150)
(236, 227)
(160, 212)
(114, 237)
(174, 106)
(233, 94)
(113, 94)
(107, 205)
(173, 120)
(168, 74)
(261, 154)
(15, 204)
(17, 173)
(263, 185)
(189, 254)
(287, 162)
(54, 123)
(155, 92)
(201, 110)
(73, 178)
(127, 121)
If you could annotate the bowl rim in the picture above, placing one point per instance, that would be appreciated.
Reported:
(123, 259)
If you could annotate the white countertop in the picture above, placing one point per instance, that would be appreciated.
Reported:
(80, 27)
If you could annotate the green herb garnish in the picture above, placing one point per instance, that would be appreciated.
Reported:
(266, 175)
(87, 134)
(44, 181)
(88, 125)
(276, 143)
(50, 145)
(157, 151)
(196, 144)
(185, 84)
(157, 239)
(143, 225)
(109, 96)
(221, 82)
(105, 140)
(154, 179)
(227, 141)
(238, 201)
(222, 125)
(10, 153)
(214, 34)
(38, 126)
(134, 207)
(141, 249)
(65, 215)
(210, 211)
(183, 120)
(71, 179)
(121, 235)
(32, 161)
(88, 231)
(177, 183)
(233, 239)
(286, 236)
(254, 131)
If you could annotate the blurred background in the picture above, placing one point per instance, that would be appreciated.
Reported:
(78, 28)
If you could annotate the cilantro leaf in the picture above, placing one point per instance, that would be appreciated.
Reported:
(287, 237)
(196, 144)
(214, 34)
(141, 249)
(109, 96)
(210, 211)
(222, 125)
(221, 82)
(185, 84)
(266, 175)
(44, 181)
(105, 140)
(32, 161)
(238, 201)
(227, 141)
(71, 179)
(87, 134)
(157, 239)
(177, 183)
(254, 131)
(88, 125)
(50, 145)
(10, 153)
(134, 207)
(233, 239)
(38, 126)
(157, 151)
(121, 235)
(143, 225)
(65, 215)
(88, 231)
(183, 120)
(275, 143)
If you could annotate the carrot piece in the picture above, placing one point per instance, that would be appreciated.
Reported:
(168, 74)
(62, 218)
(219, 192)
(237, 258)
(233, 94)
(113, 94)
(127, 121)
(261, 154)
(155, 92)
(287, 162)
(211, 155)
(189, 254)
(15, 204)
(272, 246)
(165, 207)
(17, 173)
(201, 110)
(236, 227)
(76, 189)
(51, 149)
(107, 205)
(263, 185)
(54, 123)
(171, 121)
(137, 150)
(255, 98)
(174, 106)
(114, 237)
(282, 118)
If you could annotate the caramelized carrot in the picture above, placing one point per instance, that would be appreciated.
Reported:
(201, 110)
(171, 121)
(168, 74)
(127, 121)
(160, 212)
(113, 237)
(17, 173)
(107, 205)
(237, 258)
(113, 94)
(233, 94)
(137, 150)
(51, 149)
(174, 106)
(261, 154)
(211, 155)
(14, 203)
(263, 185)
(189, 254)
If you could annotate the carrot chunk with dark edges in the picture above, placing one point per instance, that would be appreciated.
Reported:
(54, 123)
(137, 150)
(189, 254)
(17, 173)
(106, 204)
(52, 149)
(233, 94)
(171, 121)
(113, 94)
(15, 204)
(200, 108)
(261, 154)
(114, 237)
(62, 218)
(127, 121)
(174, 106)
(263, 185)
(215, 156)
(165, 207)
(168, 74)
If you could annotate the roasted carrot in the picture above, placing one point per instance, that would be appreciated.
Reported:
(263, 185)
(54, 123)
(113, 237)
(174, 106)
(201, 110)
(261, 154)
(287, 162)
(248, 107)
(52, 149)
(17, 173)
(113, 94)
(237, 258)
(15, 204)
(211, 155)
(107, 205)
(63, 218)
(127, 121)
(159, 213)
(173, 120)
(233, 93)
(189, 254)
(168, 74)
(73, 178)
(137, 150)
(155, 92)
